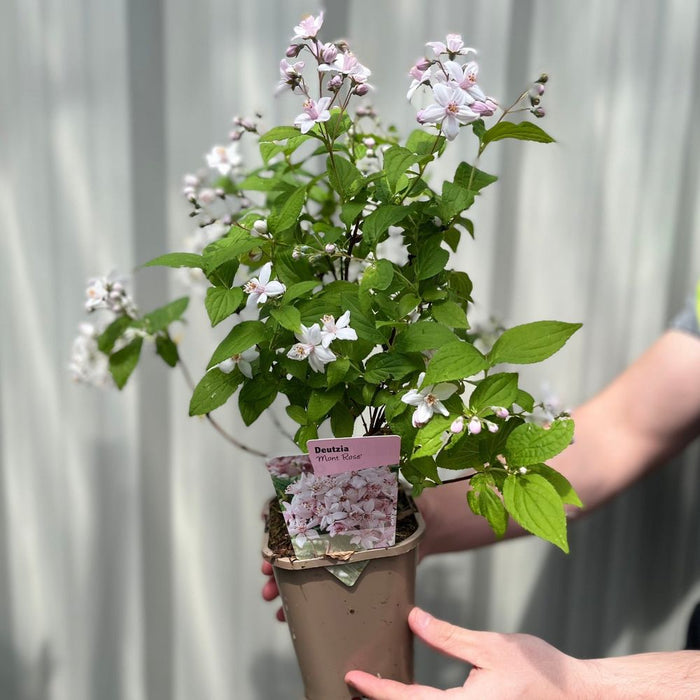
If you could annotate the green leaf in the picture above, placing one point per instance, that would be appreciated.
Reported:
(287, 213)
(123, 362)
(560, 482)
(220, 303)
(177, 260)
(300, 289)
(531, 444)
(297, 414)
(159, 319)
(472, 178)
(213, 390)
(497, 390)
(484, 501)
(391, 365)
(240, 338)
(378, 275)
(422, 143)
(363, 325)
(425, 466)
(342, 421)
(535, 504)
(429, 438)
(455, 199)
(255, 396)
(288, 317)
(397, 161)
(336, 371)
(377, 223)
(321, 402)
(531, 342)
(167, 350)
(110, 335)
(525, 401)
(465, 453)
(229, 249)
(350, 211)
(524, 131)
(423, 335)
(407, 303)
(461, 285)
(450, 314)
(343, 176)
(431, 262)
(304, 434)
(279, 133)
(454, 360)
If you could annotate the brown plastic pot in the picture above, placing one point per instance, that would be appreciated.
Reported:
(336, 628)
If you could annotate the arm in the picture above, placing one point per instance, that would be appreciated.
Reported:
(522, 666)
(647, 414)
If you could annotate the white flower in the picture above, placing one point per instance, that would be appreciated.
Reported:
(309, 27)
(453, 46)
(242, 360)
(109, 293)
(450, 109)
(333, 329)
(428, 401)
(260, 288)
(224, 158)
(314, 113)
(310, 347)
(87, 363)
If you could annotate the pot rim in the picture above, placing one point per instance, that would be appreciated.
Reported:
(410, 543)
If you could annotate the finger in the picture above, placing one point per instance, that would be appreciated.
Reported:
(270, 590)
(458, 642)
(383, 689)
(266, 568)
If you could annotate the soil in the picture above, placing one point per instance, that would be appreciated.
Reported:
(281, 544)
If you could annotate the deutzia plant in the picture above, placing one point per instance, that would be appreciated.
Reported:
(329, 262)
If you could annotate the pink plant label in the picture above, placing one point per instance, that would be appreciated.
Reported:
(337, 455)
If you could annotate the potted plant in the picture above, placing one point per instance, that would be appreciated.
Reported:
(330, 262)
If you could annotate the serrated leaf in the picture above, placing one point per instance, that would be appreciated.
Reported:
(344, 177)
(255, 396)
(304, 434)
(123, 362)
(429, 438)
(523, 131)
(378, 275)
(423, 335)
(240, 338)
(228, 249)
(391, 365)
(384, 216)
(288, 317)
(422, 143)
(531, 342)
(497, 390)
(465, 453)
(336, 371)
(298, 290)
(176, 260)
(472, 178)
(350, 211)
(286, 214)
(535, 504)
(321, 402)
(484, 501)
(431, 262)
(525, 401)
(279, 133)
(425, 466)
(397, 161)
(362, 323)
(220, 303)
(213, 390)
(560, 482)
(454, 200)
(159, 319)
(531, 444)
(454, 360)
(450, 314)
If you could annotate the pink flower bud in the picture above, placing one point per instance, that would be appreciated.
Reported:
(334, 83)
(538, 112)
(457, 425)
(500, 412)
(329, 53)
(361, 89)
(330, 248)
(422, 64)
(293, 50)
(492, 427)
(474, 426)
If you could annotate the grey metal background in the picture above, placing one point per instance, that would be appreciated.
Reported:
(129, 533)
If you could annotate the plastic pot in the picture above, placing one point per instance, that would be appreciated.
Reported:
(336, 628)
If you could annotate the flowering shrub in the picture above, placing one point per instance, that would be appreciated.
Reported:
(330, 263)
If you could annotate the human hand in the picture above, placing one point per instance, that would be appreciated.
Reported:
(269, 589)
(506, 666)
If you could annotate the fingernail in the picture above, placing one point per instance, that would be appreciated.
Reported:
(420, 618)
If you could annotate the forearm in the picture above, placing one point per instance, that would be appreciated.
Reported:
(655, 676)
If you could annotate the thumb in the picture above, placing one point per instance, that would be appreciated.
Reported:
(449, 639)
